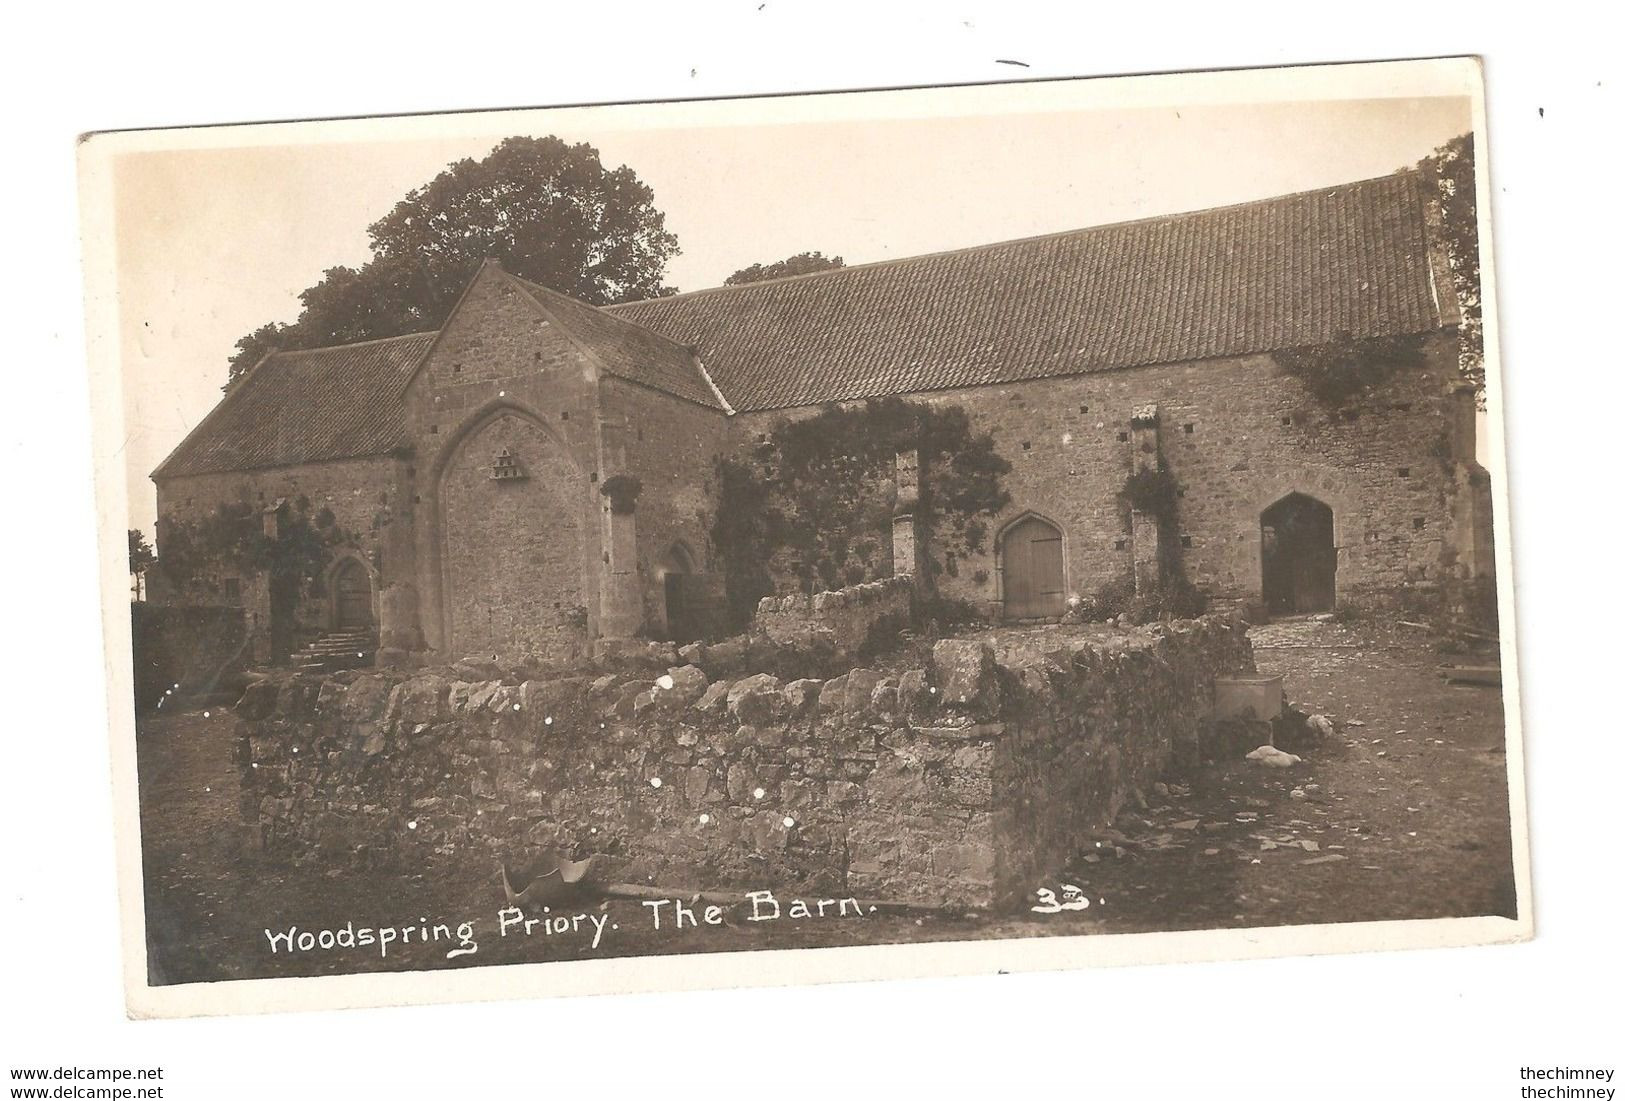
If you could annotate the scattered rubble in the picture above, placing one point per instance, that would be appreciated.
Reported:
(1270, 757)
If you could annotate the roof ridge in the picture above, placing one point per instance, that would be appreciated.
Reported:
(832, 273)
(534, 290)
(353, 343)
(604, 309)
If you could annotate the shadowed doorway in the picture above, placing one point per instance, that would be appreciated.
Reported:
(1299, 556)
(352, 597)
(677, 569)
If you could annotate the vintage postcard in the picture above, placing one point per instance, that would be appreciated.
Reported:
(806, 538)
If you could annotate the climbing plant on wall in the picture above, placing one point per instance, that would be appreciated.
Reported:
(1453, 212)
(814, 499)
(235, 538)
(1345, 368)
(1151, 490)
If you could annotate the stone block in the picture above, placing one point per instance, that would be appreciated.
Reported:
(859, 695)
(681, 686)
(965, 671)
(365, 699)
(715, 697)
(801, 696)
(756, 699)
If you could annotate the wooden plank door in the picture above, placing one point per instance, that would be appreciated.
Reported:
(1034, 584)
(353, 595)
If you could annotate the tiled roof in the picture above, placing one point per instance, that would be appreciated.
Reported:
(308, 406)
(1262, 276)
(626, 349)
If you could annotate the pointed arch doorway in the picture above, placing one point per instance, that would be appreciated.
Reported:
(677, 579)
(1034, 573)
(1299, 556)
(352, 596)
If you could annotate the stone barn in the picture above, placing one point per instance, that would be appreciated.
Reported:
(539, 474)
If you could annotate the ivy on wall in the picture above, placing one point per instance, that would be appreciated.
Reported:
(1151, 490)
(1345, 368)
(814, 500)
(236, 538)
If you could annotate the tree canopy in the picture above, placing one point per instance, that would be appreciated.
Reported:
(547, 211)
(800, 264)
(142, 557)
(1450, 173)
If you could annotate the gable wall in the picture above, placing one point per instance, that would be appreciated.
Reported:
(502, 375)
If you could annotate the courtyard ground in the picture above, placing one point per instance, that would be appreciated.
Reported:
(1405, 816)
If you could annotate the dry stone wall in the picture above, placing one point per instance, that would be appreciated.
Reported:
(964, 782)
(842, 621)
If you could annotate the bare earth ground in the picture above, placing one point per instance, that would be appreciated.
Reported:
(1408, 818)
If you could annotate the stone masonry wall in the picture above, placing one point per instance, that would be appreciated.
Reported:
(670, 446)
(367, 497)
(965, 782)
(841, 622)
(493, 558)
(1238, 435)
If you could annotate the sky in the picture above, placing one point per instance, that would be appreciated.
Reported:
(211, 243)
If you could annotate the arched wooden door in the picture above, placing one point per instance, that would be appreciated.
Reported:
(1034, 583)
(1299, 556)
(352, 597)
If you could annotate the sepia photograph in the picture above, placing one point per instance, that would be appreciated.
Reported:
(999, 526)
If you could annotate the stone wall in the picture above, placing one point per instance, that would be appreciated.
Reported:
(966, 781)
(1238, 434)
(369, 499)
(842, 622)
(505, 566)
(670, 446)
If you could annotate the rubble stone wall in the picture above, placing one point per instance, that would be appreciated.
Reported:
(842, 620)
(964, 782)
